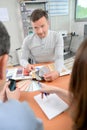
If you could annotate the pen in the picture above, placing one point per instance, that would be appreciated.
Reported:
(45, 94)
(42, 92)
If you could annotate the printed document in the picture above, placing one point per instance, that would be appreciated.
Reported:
(16, 74)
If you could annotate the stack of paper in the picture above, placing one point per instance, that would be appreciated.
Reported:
(69, 63)
(65, 71)
(51, 105)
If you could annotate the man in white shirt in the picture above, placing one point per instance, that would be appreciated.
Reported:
(14, 115)
(43, 45)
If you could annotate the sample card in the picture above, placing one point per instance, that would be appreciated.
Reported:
(28, 85)
(33, 86)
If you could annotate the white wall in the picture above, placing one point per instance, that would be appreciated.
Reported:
(13, 25)
(15, 29)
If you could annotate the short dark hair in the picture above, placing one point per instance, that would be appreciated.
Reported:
(37, 14)
(4, 40)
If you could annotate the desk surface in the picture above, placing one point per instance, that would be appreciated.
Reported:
(62, 121)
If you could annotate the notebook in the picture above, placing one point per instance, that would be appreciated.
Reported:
(52, 105)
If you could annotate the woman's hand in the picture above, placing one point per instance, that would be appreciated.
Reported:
(46, 90)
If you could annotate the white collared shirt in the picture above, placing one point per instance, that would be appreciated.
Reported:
(48, 49)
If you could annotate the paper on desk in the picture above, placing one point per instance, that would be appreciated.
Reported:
(51, 105)
(65, 71)
(10, 73)
(16, 74)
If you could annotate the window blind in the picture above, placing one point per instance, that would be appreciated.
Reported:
(57, 7)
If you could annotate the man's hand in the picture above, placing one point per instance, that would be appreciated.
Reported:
(51, 76)
(3, 95)
(13, 94)
(30, 67)
(6, 94)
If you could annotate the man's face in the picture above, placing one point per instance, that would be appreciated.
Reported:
(41, 27)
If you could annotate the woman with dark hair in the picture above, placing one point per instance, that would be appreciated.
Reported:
(77, 89)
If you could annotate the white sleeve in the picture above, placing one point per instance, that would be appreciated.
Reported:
(25, 54)
(59, 56)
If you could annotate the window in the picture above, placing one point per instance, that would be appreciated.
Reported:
(81, 10)
(57, 7)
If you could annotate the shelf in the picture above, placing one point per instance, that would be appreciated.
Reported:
(26, 8)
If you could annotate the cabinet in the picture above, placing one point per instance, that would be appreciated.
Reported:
(26, 8)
